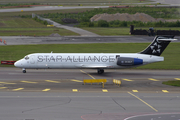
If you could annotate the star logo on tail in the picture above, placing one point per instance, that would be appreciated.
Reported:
(156, 48)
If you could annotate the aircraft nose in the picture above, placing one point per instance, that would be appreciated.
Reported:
(18, 64)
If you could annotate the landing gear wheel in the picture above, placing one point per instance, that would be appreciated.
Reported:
(24, 70)
(100, 71)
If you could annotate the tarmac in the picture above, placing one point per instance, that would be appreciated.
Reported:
(25, 40)
(61, 95)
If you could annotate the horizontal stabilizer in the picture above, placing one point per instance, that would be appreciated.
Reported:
(166, 39)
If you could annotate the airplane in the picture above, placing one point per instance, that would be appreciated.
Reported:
(99, 61)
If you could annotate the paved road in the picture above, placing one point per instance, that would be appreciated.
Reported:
(89, 106)
(48, 8)
(73, 29)
(67, 79)
(17, 40)
(59, 95)
(170, 2)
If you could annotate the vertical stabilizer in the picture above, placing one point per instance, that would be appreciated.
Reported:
(158, 45)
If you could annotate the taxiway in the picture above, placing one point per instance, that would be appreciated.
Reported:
(61, 95)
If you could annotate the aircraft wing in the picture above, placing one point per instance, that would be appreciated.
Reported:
(92, 66)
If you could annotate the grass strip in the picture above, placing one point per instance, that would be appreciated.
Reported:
(172, 83)
(171, 54)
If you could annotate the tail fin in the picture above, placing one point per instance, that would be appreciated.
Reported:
(158, 45)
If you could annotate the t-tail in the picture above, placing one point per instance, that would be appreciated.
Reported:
(158, 45)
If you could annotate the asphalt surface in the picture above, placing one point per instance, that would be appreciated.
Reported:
(170, 2)
(61, 95)
(23, 40)
(48, 8)
(41, 8)
(79, 31)
(67, 79)
(88, 106)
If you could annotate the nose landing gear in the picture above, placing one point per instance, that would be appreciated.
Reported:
(24, 70)
(100, 71)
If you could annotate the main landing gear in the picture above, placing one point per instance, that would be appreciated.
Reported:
(24, 70)
(100, 71)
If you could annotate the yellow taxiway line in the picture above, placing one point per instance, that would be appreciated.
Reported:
(104, 90)
(75, 90)
(127, 80)
(165, 91)
(76, 80)
(143, 101)
(177, 78)
(46, 90)
(87, 74)
(153, 79)
(6, 83)
(3, 87)
(135, 90)
(29, 82)
(17, 89)
(52, 81)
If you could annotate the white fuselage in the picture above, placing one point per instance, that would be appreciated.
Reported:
(81, 60)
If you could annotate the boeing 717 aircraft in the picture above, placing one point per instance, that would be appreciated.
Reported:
(99, 61)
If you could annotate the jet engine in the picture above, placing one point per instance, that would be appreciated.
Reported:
(126, 61)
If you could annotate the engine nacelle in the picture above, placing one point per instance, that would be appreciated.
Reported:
(125, 61)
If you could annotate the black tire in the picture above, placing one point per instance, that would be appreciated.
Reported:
(24, 71)
(100, 71)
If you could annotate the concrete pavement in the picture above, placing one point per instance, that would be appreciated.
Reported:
(73, 29)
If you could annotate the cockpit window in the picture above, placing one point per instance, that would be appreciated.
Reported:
(26, 57)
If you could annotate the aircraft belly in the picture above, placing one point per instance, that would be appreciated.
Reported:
(49, 65)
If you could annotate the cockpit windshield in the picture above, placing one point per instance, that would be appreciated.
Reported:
(26, 57)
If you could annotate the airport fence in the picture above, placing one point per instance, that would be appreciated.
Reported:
(41, 18)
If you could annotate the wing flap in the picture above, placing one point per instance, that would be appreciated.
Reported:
(92, 66)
